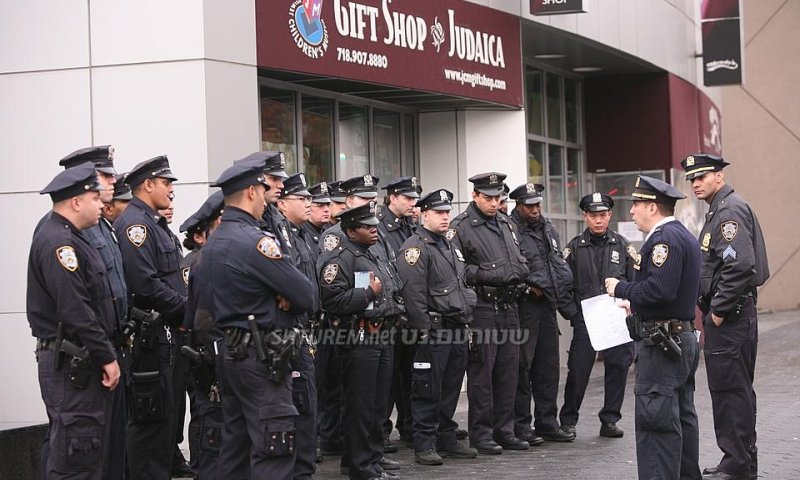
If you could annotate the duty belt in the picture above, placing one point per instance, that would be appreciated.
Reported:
(506, 294)
(675, 327)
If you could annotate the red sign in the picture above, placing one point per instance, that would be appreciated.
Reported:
(444, 46)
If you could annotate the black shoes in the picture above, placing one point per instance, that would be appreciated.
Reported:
(461, 434)
(611, 430)
(428, 457)
(182, 470)
(487, 447)
(710, 472)
(717, 475)
(556, 435)
(389, 464)
(458, 451)
(388, 446)
(513, 443)
(530, 437)
(570, 429)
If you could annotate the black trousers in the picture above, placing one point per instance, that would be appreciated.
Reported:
(115, 465)
(304, 395)
(438, 371)
(208, 417)
(258, 439)
(730, 354)
(538, 368)
(492, 369)
(400, 392)
(329, 392)
(667, 438)
(366, 392)
(617, 362)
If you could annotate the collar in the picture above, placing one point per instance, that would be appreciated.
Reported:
(429, 237)
(63, 221)
(355, 247)
(477, 217)
(658, 225)
(236, 214)
(719, 198)
(147, 209)
(587, 235)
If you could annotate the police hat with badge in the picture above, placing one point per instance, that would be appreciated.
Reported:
(101, 156)
(699, 164)
(73, 182)
(489, 184)
(365, 186)
(649, 189)
(596, 202)
(208, 211)
(439, 200)
(122, 191)
(357, 216)
(272, 162)
(295, 185)
(528, 194)
(156, 167)
(335, 192)
(320, 193)
(241, 175)
(408, 186)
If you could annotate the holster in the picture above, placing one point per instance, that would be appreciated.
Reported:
(634, 324)
(148, 397)
(282, 348)
(436, 320)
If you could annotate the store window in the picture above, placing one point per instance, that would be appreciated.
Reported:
(338, 136)
(555, 145)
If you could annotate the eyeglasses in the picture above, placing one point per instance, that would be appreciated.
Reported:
(306, 200)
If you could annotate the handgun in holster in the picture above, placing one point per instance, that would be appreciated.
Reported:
(80, 365)
(634, 324)
(661, 338)
(282, 349)
(148, 321)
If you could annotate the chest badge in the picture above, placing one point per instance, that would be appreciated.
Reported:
(614, 256)
(137, 234)
(329, 272)
(729, 230)
(459, 254)
(411, 255)
(268, 247)
(660, 254)
(330, 242)
(185, 275)
(67, 257)
(706, 242)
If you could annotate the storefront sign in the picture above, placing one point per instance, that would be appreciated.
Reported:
(722, 43)
(556, 7)
(445, 46)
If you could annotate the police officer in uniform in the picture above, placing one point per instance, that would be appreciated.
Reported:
(71, 313)
(118, 203)
(338, 200)
(256, 294)
(320, 217)
(151, 257)
(358, 290)
(734, 264)
(596, 254)
(439, 305)
(662, 298)
(497, 269)
(549, 288)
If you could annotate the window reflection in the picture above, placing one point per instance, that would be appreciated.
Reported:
(353, 158)
(317, 138)
(387, 145)
(278, 123)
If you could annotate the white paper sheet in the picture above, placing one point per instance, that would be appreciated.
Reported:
(361, 280)
(605, 322)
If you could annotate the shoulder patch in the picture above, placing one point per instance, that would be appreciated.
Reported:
(729, 230)
(185, 275)
(634, 255)
(67, 257)
(137, 234)
(268, 247)
(411, 255)
(660, 254)
(451, 233)
(330, 242)
(329, 272)
(566, 252)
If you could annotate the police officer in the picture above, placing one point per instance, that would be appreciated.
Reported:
(396, 222)
(734, 264)
(151, 257)
(275, 173)
(256, 293)
(503, 207)
(549, 288)
(358, 290)
(439, 307)
(320, 216)
(122, 195)
(596, 254)
(71, 313)
(338, 200)
(662, 298)
(295, 204)
(497, 269)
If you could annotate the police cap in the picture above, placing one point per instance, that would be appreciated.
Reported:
(504, 195)
(320, 193)
(73, 182)
(363, 214)
(156, 167)
(122, 191)
(436, 200)
(408, 186)
(295, 185)
(102, 156)
(336, 193)
(490, 183)
(528, 194)
(365, 186)
(596, 202)
(209, 210)
(699, 164)
(241, 175)
(654, 190)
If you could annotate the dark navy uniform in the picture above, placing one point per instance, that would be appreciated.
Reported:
(734, 264)
(364, 342)
(497, 269)
(67, 284)
(151, 256)
(593, 258)
(662, 292)
(539, 357)
(435, 288)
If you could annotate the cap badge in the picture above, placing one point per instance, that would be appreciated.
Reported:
(597, 198)
(372, 208)
(368, 180)
(67, 258)
(302, 179)
(530, 188)
(492, 179)
(283, 159)
(111, 153)
(690, 161)
(413, 182)
(443, 196)
(323, 187)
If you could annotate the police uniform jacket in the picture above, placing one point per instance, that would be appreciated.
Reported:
(304, 260)
(490, 248)
(246, 271)
(67, 283)
(342, 298)
(104, 239)
(312, 235)
(395, 230)
(592, 260)
(539, 243)
(734, 253)
(668, 275)
(432, 270)
(152, 257)
(332, 241)
(275, 223)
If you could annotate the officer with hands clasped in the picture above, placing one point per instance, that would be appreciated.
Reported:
(71, 313)
(439, 307)
(734, 264)
(594, 255)
(662, 298)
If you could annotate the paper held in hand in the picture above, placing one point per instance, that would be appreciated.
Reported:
(605, 322)
(362, 281)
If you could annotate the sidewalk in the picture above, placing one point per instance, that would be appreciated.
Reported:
(593, 457)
